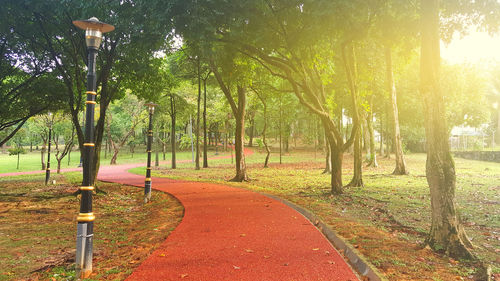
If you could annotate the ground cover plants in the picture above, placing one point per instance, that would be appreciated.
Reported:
(386, 220)
(38, 228)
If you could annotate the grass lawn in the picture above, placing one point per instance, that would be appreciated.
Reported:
(38, 228)
(31, 161)
(386, 220)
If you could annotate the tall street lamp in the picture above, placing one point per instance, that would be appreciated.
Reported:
(85, 229)
(147, 184)
(47, 170)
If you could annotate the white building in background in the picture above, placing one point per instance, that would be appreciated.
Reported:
(468, 138)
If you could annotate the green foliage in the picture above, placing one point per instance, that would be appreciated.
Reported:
(16, 150)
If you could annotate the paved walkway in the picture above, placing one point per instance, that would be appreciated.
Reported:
(233, 234)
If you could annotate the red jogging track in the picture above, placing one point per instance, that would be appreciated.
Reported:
(233, 234)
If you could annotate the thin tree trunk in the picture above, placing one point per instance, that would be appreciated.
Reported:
(44, 147)
(172, 129)
(164, 143)
(197, 157)
(446, 233)
(381, 149)
(264, 141)
(280, 125)
(398, 147)
(387, 138)
(252, 130)
(157, 152)
(369, 124)
(205, 148)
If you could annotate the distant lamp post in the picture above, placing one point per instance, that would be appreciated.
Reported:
(147, 184)
(85, 229)
(47, 170)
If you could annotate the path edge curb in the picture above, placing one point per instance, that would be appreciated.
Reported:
(354, 258)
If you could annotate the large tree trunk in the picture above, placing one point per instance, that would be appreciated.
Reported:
(328, 157)
(205, 148)
(446, 232)
(357, 178)
(336, 176)
(241, 169)
(398, 147)
(172, 129)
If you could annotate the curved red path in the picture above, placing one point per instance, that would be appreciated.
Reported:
(234, 234)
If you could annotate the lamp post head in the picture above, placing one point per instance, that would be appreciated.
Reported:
(151, 106)
(93, 31)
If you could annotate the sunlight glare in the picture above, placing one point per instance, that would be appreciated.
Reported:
(473, 48)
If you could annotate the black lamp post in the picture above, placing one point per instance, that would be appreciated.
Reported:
(85, 229)
(47, 170)
(147, 184)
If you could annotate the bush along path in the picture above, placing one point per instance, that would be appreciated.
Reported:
(234, 234)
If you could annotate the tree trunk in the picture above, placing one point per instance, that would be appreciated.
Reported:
(357, 178)
(366, 135)
(264, 141)
(446, 233)
(369, 124)
(336, 176)
(252, 130)
(280, 139)
(387, 138)
(172, 130)
(164, 145)
(59, 165)
(328, 160)
(398, 147)
(113, 158)
(44, 147)
(205, 148)
(157, 152)
(381, 149)
(241, 169)
(197, 132)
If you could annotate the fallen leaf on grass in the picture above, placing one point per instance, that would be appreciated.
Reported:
(162, 255)
(184, 275)
(248, 251)
(266, 257)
